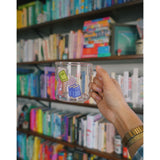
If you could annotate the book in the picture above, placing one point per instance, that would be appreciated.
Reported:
(110, 137)
(90, 120)
(48, 73)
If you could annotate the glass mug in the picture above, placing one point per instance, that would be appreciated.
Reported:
(73, 80)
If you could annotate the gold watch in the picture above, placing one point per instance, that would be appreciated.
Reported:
(132, 133)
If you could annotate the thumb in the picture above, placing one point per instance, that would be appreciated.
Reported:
(103, 74)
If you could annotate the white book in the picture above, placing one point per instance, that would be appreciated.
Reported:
(90, 120)
(48, 49)
(140, 92)
(110, 133)
(85, 133)
(51, 46)
(135, 87)
(120, 81)
(30, 50)
(35, 49)
(99, 136)
(40, 57)
(18, 52)
(22, 43)
(71, 41)
(44, 50)
(102, 137)
(125, 85)
(25, 59)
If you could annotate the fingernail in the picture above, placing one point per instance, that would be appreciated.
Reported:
(100, 78)
(99, 89)
(98, 98)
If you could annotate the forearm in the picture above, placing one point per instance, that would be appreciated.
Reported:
(125, 121)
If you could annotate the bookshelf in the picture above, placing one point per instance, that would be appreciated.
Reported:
(113, 10)
(112, 156)
(135, 58)
(138, 111)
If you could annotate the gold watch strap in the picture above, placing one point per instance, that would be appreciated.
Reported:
(134, 139)
(132, 133)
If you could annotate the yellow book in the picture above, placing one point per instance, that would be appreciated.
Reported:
(19, 19)
(36, 148)
(24, 17)
(40, 122)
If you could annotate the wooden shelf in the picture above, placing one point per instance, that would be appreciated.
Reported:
(112, 156)
(112, 58)
(138, 111)
(83, 15)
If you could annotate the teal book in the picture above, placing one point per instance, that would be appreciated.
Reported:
(38, 10)
(30, 142)
(31, 15)
(48, 122)
(71, 6)
(86, 6)
(48, 10)
(57, 8)
(44, 117)
(18, 85)
(53, 10)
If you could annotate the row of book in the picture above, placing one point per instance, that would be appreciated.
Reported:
(38, 12)
(54, 47)
(93, 41)
(132, 87)
(35, 148)
(37, 83)
(86, 129)
(43, 84)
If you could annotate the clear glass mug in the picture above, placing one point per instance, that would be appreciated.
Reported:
(73, 80)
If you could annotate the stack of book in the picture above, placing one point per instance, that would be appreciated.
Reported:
(89, 130)
(37, 84)
(40, 12)
(97, 34)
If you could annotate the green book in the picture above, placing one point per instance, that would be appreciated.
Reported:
(38, 11)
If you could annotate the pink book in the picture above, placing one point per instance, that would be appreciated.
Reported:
(110, 137)
(53, 87)
(32, 119)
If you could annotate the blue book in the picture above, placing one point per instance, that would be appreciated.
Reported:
(109, 3)
(82, 6)
(86, 6)
(71, 6)
(120, 1)
(103, 49)
(83, 81)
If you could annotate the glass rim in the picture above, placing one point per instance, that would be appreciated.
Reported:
(73, 63)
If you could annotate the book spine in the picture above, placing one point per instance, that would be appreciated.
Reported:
(110, 138)
(125, 84)
(135, 87)
(89, 131)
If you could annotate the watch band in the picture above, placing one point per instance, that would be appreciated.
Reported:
(132, 133)
(134, 139)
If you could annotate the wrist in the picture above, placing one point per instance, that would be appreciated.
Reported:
(126, 119)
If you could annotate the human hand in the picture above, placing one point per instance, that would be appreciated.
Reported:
(107, 94)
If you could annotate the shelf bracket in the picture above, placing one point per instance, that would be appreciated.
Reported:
(38, 67)
(38, 33)
(42, 103)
